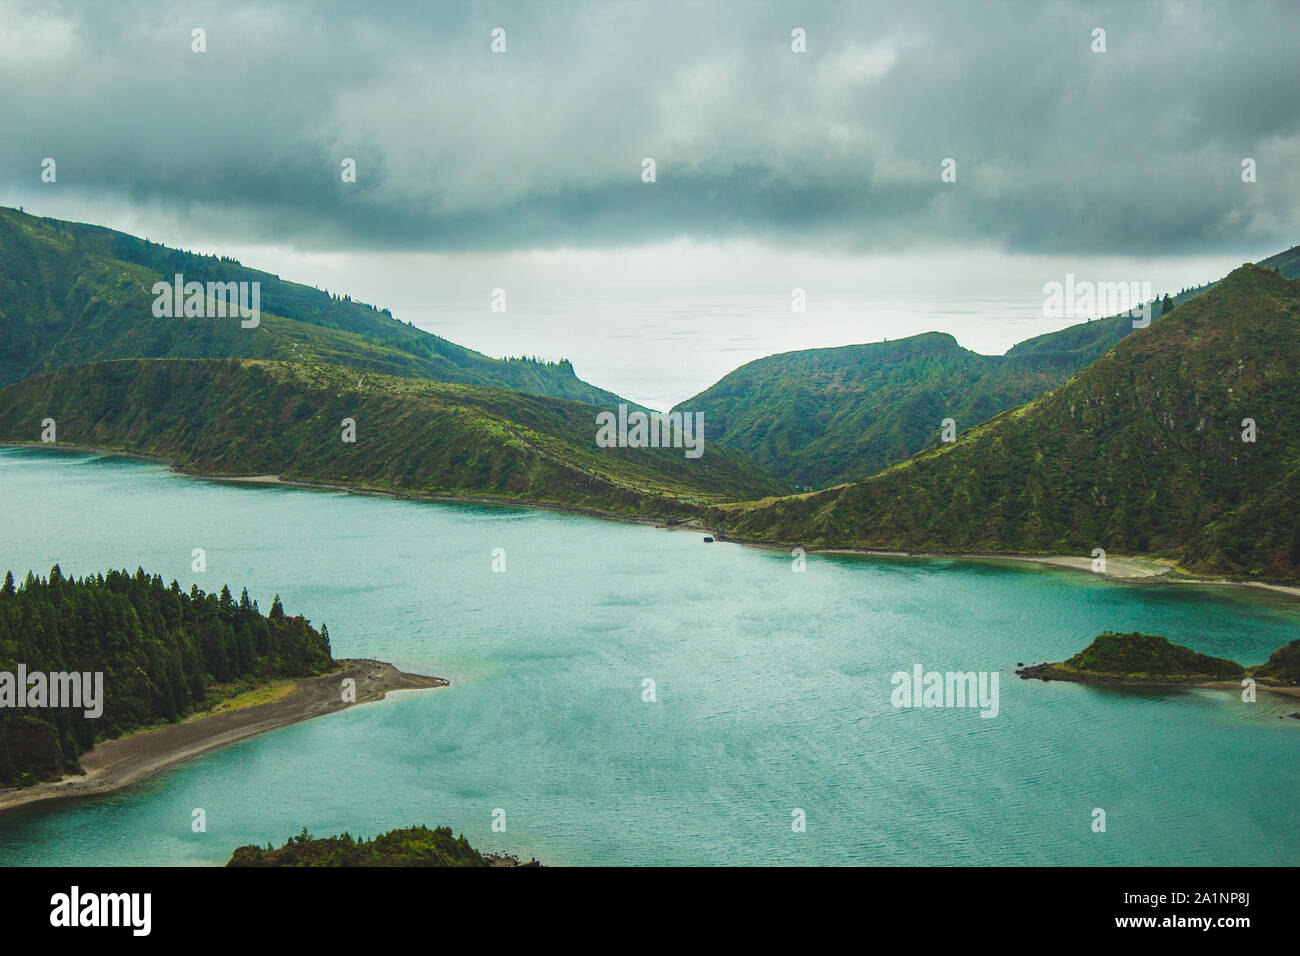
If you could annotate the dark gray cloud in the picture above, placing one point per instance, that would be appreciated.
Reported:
(1058, 149)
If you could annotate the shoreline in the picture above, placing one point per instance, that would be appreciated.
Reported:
(1040, 672)
(1118, 567)
(1128, 568)
(118, 763)
(362, 490)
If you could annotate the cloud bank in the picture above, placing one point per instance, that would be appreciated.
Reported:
(1058, 149)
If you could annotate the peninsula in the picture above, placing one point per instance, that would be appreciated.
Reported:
(150, 675)
(1137, 659)
(118, 763)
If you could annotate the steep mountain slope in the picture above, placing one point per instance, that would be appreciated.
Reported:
(822, 416)
(73, 293)
(826, 416)
(1287, 263)
(243, 417)
(1142, 451)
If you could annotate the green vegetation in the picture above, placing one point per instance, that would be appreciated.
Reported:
(1141, 452)
(413, 846)
(163, 653)
(80, 343)
(73, 293)
(1283, 665)
(1149, 658)
(824, 416)
(1284, 263)
(1137, 452)
(1142, 657)
(242, 417)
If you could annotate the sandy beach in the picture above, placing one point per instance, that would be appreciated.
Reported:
(1284, 690)
(1039, 672)
(117, 763)
(1118, 567)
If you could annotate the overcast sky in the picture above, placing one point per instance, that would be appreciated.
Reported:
(774, 169)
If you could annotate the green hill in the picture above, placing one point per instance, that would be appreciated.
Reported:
(1141, 452)
(822, 416)
(73, 293)
(1283, 665)
(1149, 658)
(1287, 263)
(1139, 657)
(248, 417)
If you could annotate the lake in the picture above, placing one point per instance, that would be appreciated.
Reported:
(772, 692)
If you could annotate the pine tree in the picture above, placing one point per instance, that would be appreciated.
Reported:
(133, 624)
(71, 752)
(7, 772)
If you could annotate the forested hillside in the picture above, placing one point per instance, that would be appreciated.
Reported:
(821, 417)
(72, 293)
(238, 417)
(1182, 440)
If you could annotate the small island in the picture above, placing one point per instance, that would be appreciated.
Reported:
(1148, 659)
(412, 846)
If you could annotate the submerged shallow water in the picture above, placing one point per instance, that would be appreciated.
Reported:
(772, 692)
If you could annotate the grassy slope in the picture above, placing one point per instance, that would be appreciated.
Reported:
(72, 293)
(1139, 452)
(1287, 263)
(821, 417)
(413, 435)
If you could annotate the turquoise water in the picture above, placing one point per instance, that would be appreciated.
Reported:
(773, 692)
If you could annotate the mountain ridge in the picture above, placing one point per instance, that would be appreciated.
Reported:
(240, 417)
(74, 292)
(1141, 452)
(826, 416)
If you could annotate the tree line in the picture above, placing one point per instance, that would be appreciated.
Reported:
(163, 651)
